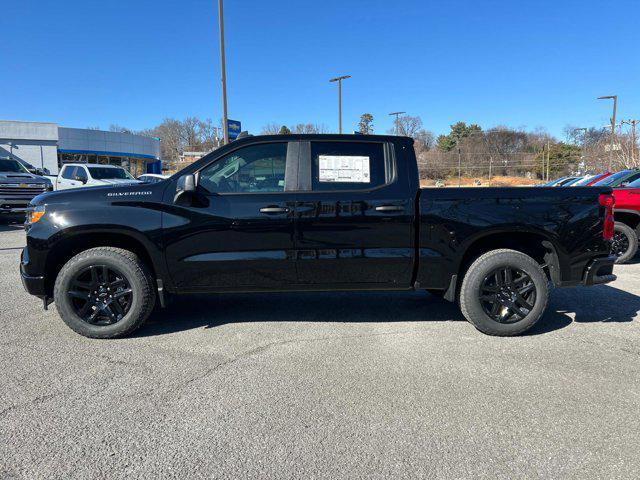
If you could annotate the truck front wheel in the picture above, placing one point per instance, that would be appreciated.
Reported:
(104, 292)
(504, 292)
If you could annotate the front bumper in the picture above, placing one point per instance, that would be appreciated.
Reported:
(12, 209)
(599, 271)
(35, 285)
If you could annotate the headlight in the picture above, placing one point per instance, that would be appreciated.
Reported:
(34, 216)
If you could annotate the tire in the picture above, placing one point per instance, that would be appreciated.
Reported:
(625, 242)
(529, 286)
(133, 290)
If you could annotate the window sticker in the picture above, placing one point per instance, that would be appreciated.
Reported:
(344, 169)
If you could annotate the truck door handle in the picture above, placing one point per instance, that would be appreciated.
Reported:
(389, 208)
(274, 210)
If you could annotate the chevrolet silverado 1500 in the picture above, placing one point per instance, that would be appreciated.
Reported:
(312, 212)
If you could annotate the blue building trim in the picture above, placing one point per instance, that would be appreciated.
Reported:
(111, 154)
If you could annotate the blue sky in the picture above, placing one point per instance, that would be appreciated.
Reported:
(518, 63)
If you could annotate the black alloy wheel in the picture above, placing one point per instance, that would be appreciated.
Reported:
(100, 295)
(620, 244)
(507, 294)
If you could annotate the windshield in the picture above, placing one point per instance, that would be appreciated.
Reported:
(635, 184)
(611, 179)
(106, 173)
(13, 166)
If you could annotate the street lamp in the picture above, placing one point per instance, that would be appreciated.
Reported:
(223, 74)
(339, 80)
(397, 114)
(613, 125)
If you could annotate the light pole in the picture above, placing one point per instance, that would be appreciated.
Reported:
(613, 125)
(223, 73)
(397, 114)
(339, 80)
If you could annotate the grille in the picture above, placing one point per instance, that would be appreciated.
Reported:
(30, 191)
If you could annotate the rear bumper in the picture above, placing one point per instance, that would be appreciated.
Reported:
(599, 271)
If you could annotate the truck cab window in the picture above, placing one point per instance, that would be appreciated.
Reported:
(255, 169)
(68, 173)
(347, 166)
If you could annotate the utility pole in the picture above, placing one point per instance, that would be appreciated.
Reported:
(223, 73)
(613, 125)
(339, 80)
(397, 114)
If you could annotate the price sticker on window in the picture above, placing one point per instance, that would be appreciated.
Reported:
(344, 169)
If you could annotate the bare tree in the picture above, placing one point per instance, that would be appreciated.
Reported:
(114, 127)
(170, 134)
(271, 129)
(309, 128)
(408, 126)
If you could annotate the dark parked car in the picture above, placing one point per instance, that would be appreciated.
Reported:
(312, 212)
(18, 186)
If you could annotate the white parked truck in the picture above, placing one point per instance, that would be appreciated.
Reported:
(76, 175)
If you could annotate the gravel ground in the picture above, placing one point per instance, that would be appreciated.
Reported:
(360, 385)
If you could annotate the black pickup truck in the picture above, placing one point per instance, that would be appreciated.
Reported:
(18, 187)
(312, 212)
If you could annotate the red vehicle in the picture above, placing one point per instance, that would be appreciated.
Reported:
(627, 228)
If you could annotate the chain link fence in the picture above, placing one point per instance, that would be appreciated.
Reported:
(451, 169)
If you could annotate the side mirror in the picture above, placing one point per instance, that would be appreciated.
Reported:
(78, 178)
(186, 184)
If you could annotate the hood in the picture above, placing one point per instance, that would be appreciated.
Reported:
(17, 178)
(107, 193)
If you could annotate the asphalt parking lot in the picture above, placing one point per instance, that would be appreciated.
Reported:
(321, 385)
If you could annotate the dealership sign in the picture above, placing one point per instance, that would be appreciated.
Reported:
(234, 127)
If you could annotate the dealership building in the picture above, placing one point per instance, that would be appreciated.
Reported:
(49, 146)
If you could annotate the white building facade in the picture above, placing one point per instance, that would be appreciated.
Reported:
(48, 146)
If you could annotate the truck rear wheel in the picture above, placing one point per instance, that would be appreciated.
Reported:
(504, 293)
(625, 242)
(104, 292)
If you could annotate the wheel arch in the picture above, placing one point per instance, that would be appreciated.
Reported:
(628, 217)
(73, 243)
(536, 244)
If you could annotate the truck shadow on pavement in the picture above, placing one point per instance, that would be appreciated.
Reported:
(11, 227)
(598, 304)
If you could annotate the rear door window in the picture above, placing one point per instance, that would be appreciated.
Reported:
(81, 174)
(339, 166)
